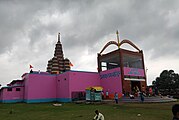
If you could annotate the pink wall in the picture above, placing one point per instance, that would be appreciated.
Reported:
(133, 72)
(40, 86)
(74, 81)
(49, 86)
(43, 87)
(111, 80)
(63, 85)
(26, 81)
(13, 95)
(79, 81)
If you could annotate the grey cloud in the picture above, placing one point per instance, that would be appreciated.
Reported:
(91, 21)
(83, 25)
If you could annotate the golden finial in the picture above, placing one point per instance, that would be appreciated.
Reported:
(117, 33)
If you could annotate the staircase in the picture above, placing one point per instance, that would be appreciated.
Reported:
(148, 99)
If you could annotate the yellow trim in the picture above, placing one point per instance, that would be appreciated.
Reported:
(55, 72)
(97, 88)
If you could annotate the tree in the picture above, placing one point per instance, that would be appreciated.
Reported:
(168, 80)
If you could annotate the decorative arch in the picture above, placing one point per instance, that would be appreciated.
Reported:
(122, 42)
(130, 43)
(108, 44)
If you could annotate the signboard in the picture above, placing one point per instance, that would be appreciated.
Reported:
(134, 72)
(109, 74)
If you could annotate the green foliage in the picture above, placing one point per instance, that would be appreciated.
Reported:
(168, 79)
(72, 111)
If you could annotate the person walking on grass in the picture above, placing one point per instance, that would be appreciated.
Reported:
(98, 116)
(116, 97)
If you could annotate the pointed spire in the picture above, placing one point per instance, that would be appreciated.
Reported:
(58, 37)
(58, 64)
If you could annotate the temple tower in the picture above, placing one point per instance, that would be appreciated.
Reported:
(58, 64)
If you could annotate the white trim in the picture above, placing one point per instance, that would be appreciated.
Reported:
(134, 79)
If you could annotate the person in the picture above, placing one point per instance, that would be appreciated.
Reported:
(31, 71)
(141, 96)
(137, 89)
(131, 96)
(147, 91)
(107, 94)
(150, 91)
(175, 111)
(98, 116)
(102, 94)
(134, 90)
(124, 92)
(156, 91)
(116, 97)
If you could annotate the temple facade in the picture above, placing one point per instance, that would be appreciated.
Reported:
(130, 63)
(120, 71)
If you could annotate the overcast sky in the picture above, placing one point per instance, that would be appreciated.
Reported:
(29, 28)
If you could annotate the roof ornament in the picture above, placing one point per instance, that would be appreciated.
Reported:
(118, 39)
(118, 43)
(59, 37)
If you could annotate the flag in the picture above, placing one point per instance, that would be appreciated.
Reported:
(71, 64)
(31, 66)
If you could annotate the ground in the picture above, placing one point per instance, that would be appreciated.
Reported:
(73, 111)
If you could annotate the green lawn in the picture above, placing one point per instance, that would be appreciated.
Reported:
(72, 111)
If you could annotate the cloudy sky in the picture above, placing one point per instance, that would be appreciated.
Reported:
(29, 28)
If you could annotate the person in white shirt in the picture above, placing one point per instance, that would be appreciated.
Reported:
(98, 116)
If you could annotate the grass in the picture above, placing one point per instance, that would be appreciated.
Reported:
(72, 111)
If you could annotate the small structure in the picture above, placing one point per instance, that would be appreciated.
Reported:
(94, 93)
(130, 64)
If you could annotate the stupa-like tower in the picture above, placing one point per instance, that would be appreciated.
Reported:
(58, 64)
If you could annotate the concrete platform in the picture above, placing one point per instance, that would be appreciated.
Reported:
(156, 99)
(153, 99)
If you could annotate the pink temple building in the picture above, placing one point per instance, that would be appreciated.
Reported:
(61, 84)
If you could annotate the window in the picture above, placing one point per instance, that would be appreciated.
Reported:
(132, 61)
(9, 89)
(104, 66)
(18, 89)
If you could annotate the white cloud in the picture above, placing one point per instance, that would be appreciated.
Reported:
(156, 66)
